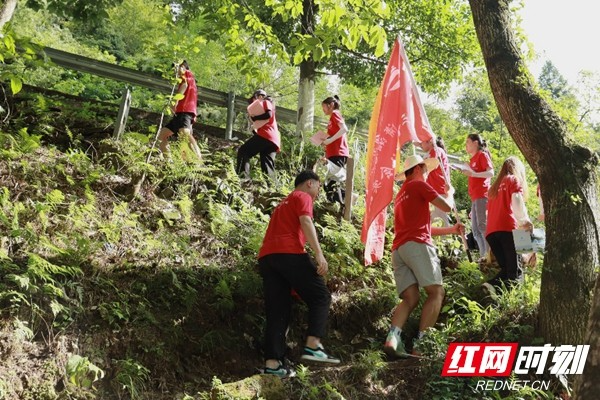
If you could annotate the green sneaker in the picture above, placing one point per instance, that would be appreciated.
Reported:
(393, 345)
(281, 371)
(318, 355)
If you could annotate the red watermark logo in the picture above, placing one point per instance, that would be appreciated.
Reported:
(479, 359)
(498, 359)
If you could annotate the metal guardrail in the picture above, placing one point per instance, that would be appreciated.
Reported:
(139, 78)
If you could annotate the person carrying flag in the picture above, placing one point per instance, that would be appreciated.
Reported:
(413, 254)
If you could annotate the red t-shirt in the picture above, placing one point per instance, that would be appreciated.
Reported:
(478, 187)
(190, 97)
(284, 234)
(411, 213)
(436, 178)
(269, 130)
(500, 215)
(338, 147)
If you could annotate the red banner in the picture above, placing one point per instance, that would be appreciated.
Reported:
(398, 117)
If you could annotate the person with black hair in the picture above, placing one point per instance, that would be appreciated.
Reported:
(265, 140)
(185, 111)
(480, 175)
(336, 150)
(284, 265)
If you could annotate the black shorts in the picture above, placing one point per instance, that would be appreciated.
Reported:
(179, 121)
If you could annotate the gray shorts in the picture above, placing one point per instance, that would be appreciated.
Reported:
(416, 263)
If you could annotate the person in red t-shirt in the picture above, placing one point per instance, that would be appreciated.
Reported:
(284, 265)
(480, 175)
(336, 149)
(266, 141)
(413, 255)
(506, 211)
(439, 178)
(185, 112)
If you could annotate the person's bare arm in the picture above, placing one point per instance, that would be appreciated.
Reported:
(441, 203)
(484, 174)
(337, 135)
(310, 233)
(183, 87)
(456, 229)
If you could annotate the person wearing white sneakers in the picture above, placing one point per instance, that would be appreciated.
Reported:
(284, 265)
(413, 254)
(336, 150)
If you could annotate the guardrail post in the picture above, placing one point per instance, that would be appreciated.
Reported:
(230, 115)
(349, 188)
(123, 114)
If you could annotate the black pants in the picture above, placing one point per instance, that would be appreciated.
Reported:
(281, 273)
(333, 189)
(502, 245)
(253, 146)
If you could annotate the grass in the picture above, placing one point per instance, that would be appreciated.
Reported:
(161, 294)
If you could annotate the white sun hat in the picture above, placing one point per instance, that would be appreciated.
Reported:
(414, 160)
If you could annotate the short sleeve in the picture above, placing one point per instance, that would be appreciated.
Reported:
(336, 118)
(303, 204)
(515, 186)
(427, 192)
(267, 105)
(486, 161)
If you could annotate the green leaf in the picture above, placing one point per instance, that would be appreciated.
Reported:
(15, 84)
(317, 53)
(312, 41)
(298, 57)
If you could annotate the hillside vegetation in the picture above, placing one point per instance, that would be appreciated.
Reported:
(104, 295)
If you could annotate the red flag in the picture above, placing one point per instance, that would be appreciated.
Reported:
(398, 117)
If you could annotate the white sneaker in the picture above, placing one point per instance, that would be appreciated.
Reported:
(393, 345)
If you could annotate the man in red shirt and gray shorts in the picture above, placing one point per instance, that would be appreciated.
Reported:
(413, 254)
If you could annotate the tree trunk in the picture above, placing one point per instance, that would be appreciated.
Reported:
(306, 97)
(306, 85)
(7, 9)
(587, 386)
(567, 174)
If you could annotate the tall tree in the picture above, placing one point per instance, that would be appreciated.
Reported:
(568, 174)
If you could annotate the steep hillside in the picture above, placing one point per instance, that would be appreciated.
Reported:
(107, 296)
